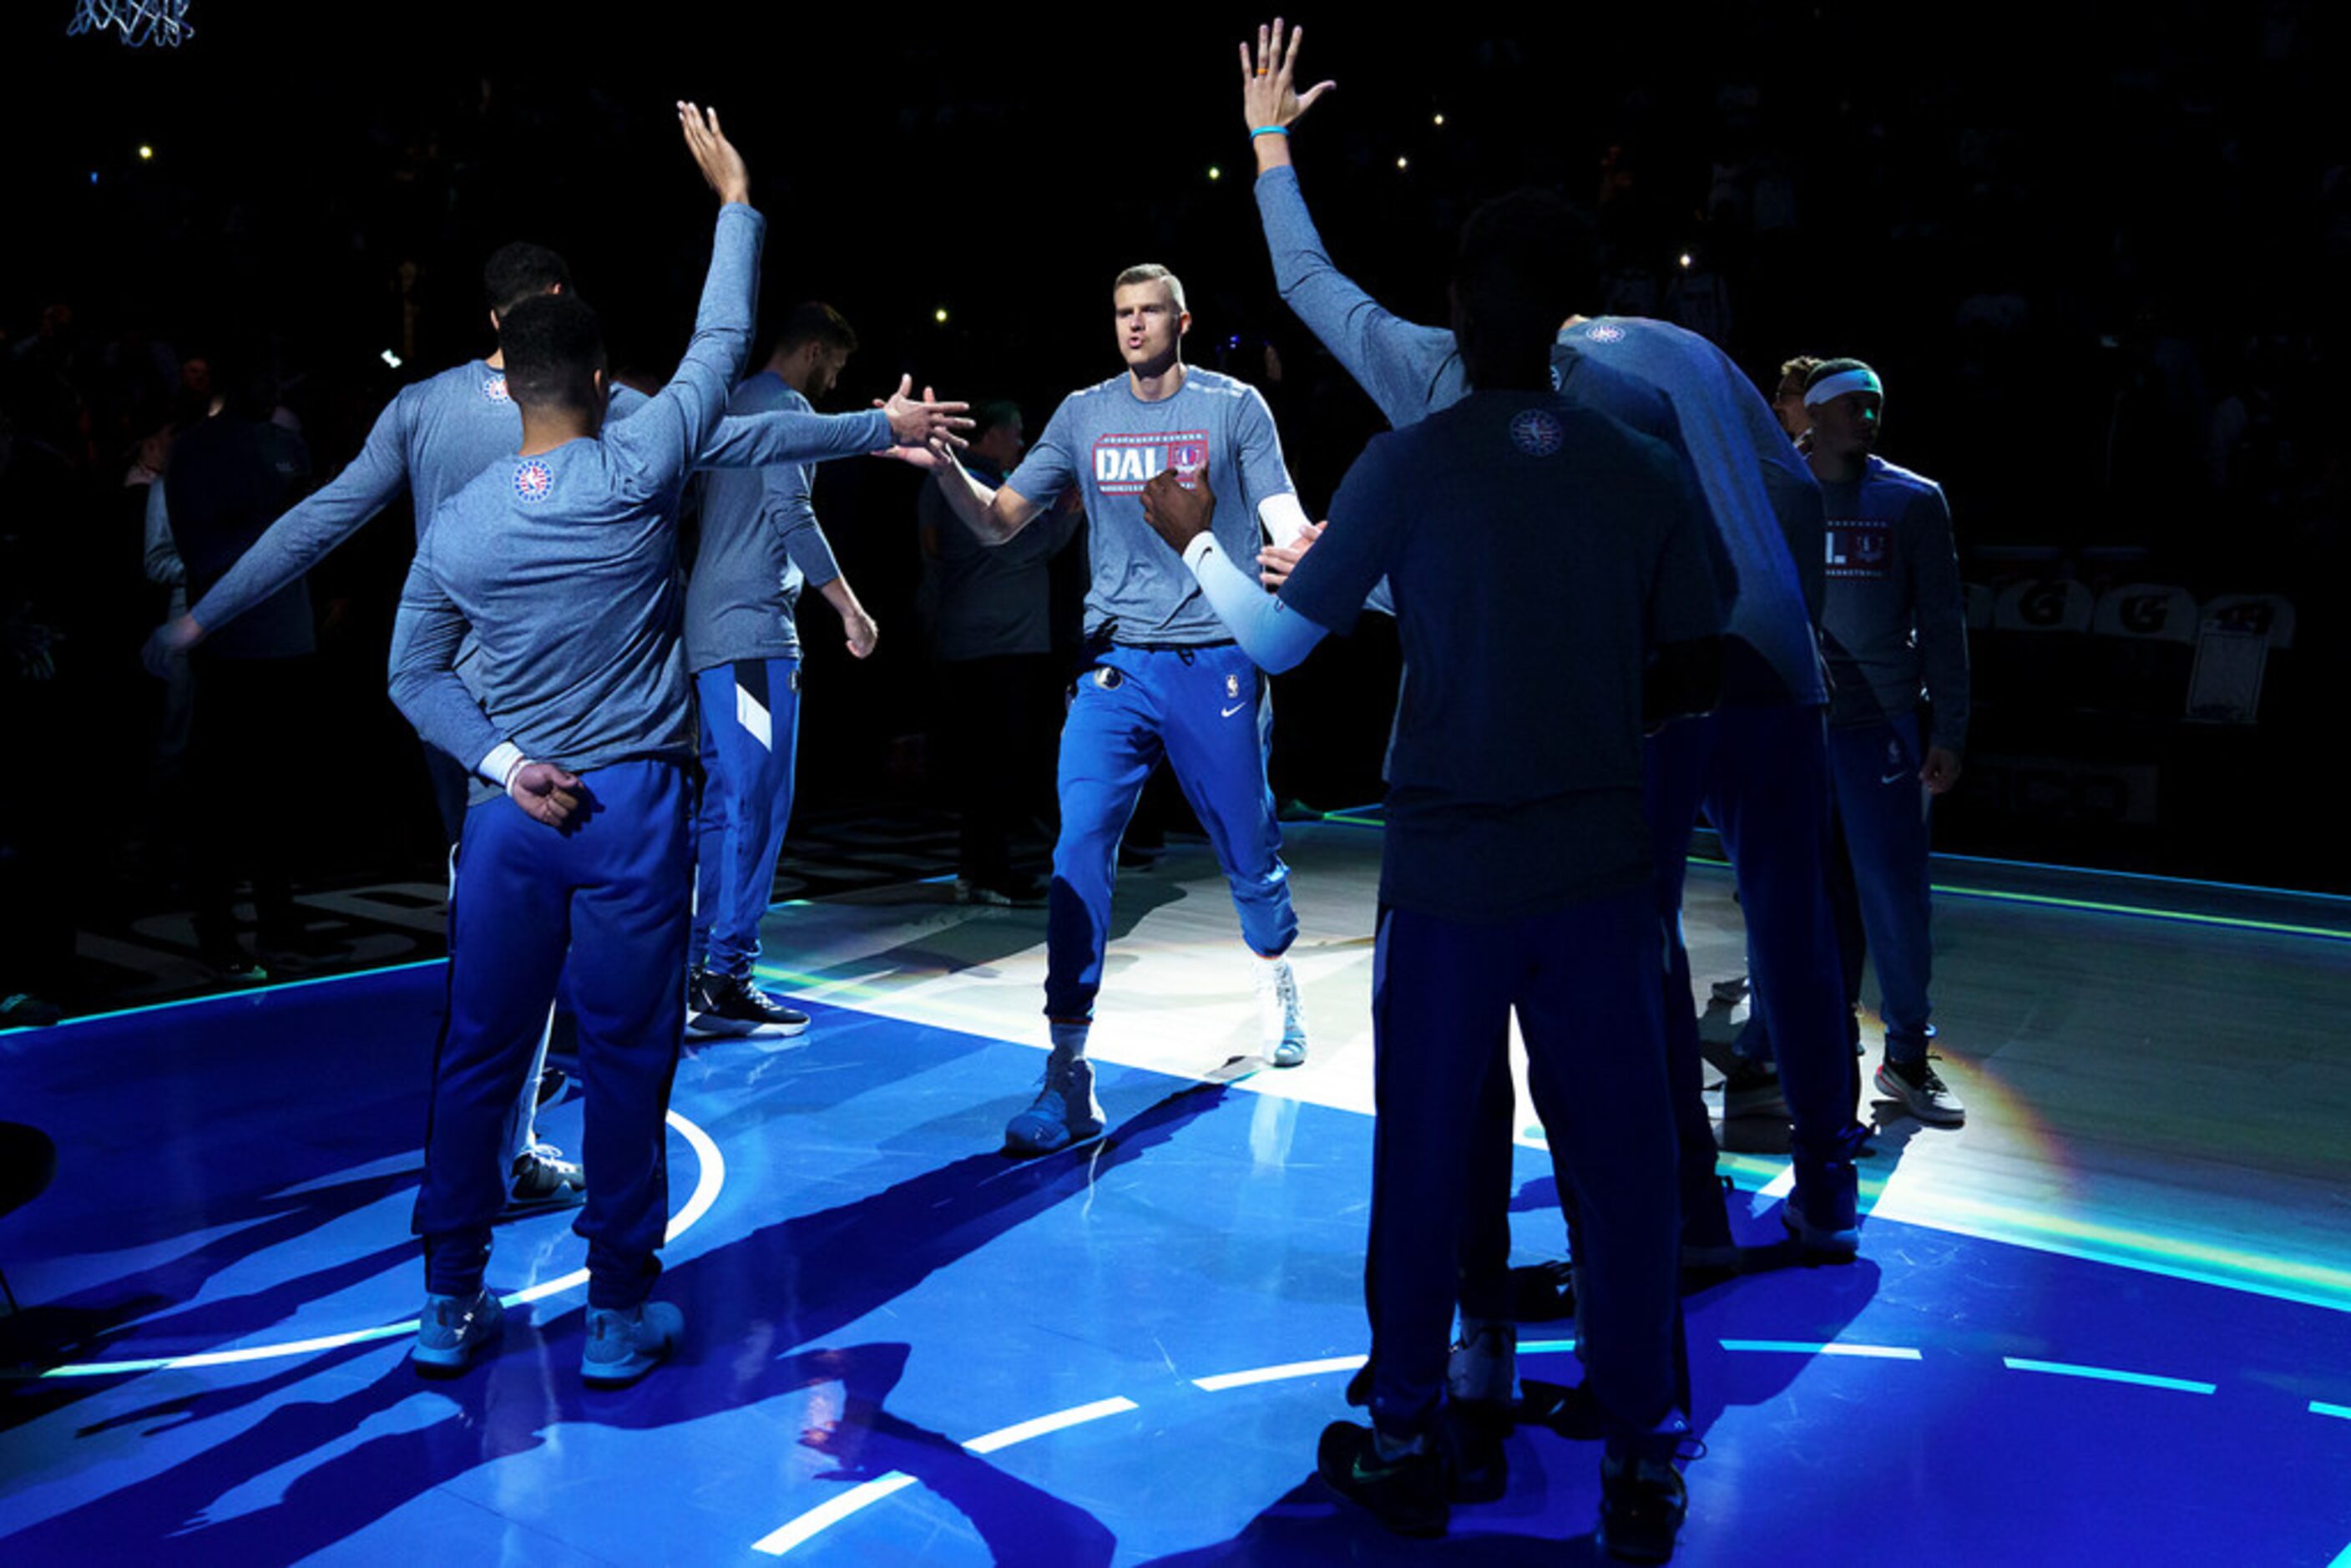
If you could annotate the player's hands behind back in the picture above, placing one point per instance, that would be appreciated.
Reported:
(549, 793)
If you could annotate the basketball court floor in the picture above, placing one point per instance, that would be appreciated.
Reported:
(2109, 1320)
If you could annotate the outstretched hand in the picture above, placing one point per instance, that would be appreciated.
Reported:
(1269, 92)
(712, 153)
(1177, 514)
(1276, 562)
(925, 423)
(549, 793)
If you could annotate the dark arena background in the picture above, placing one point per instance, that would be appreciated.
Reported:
(2096, 254)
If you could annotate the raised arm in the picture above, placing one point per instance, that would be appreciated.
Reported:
(1395, 360)
(663, 440)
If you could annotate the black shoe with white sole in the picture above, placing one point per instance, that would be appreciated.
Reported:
(732, 1005)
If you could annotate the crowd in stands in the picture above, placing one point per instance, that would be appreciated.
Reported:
(2091, 276)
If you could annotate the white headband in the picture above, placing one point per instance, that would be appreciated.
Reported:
(1862, 380)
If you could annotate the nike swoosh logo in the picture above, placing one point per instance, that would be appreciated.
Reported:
(1895, 776)
(1232, 710)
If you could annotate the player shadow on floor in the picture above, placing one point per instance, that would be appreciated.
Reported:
(797, 1279)
(825, 1270)
(1017, 1521)
(1309, 1523)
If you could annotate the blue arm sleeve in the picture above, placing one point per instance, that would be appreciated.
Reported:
(660, 442)
(757, 440)
(1274, 636)
(1395, 360)
(297, 542)
(425, 637)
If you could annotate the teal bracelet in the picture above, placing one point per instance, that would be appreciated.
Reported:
(1269, 131)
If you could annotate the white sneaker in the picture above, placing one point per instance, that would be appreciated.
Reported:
(1922, 1092)
(1280, 1014)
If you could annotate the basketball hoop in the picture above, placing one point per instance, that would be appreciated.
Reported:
(141, 22)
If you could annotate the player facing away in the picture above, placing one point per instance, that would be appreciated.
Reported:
(435, 436)
(1167, 680)
(758, 544)
(559, 563)
(1554, 599)
(1894, 628)
(1758, 763)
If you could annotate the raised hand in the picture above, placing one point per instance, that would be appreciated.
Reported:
(1268, 95)
(1176, 514)
(712, 153)
(927, 423)
(548, 792)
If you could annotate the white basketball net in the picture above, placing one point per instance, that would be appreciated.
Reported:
(142, 21)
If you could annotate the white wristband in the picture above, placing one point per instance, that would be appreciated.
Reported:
(1203, 544)
(499, 766)
(1283, 518)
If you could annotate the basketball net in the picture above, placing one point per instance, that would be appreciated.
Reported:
(142, 21)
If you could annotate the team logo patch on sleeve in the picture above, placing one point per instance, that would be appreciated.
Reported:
(1123, 464)
(532, 481)
(1606, 334)
(494, 388)
(1537, 434)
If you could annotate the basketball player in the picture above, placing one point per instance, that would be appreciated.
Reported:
(1554, 597)
(1758, 763)
(1168, 681)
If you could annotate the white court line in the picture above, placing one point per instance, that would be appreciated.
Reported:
(706, 1193)
(1224, 1380)
(1077, 1416)
(1795, 1347)
(833, 1511)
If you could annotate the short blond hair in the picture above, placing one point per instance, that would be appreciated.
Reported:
(1152, 272)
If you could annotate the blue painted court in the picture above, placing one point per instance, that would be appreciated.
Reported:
(902, 1347)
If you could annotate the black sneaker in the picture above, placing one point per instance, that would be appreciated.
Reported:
(1543, 1292)
(1000, 892)
(1405, 1493)
(1642, 1502)
(732, 1005)
(1752, 1089)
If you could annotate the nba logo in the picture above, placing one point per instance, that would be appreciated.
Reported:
(1187, 457)
(1232, 685)
(532, 481)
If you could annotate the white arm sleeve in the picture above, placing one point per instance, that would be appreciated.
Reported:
(1273, 634)
(1283, 518)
